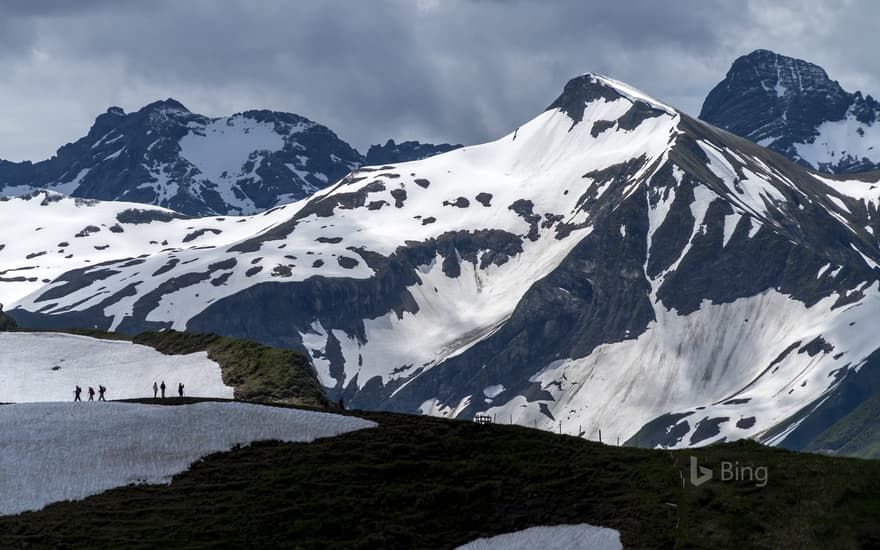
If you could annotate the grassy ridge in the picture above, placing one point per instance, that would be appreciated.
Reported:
(257, 372)
(421, 482)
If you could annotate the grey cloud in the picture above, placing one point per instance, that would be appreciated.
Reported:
(441, 70)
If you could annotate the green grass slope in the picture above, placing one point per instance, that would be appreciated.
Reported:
(856, 434)
(257, 372)
(422, 482)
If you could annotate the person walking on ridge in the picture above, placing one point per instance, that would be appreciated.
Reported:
(76, 391)
(91, 393)
(155, 390)
(162, 387)
(101, 390)
(180, 389)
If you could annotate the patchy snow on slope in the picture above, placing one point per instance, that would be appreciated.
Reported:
(713, 358)
(227, 144)
(840, 139)
(493, 391)
(557, 537)
(67, 451)
(42, 366)
(866, 191)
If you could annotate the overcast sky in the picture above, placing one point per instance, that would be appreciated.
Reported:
(433, 70)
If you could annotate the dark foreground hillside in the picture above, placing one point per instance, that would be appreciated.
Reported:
(421, 482)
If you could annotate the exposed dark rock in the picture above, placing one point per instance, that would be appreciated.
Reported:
(666, 430)
(88, 230)
(167, 267)
(399, 196)
(707, 428)
(745, 423)
(638, 113)
(138, 216)
(346, 262)
(393, 153)
(460, 202)
(524, 208)
(816, 346)
(199, 232)
(580, 91)
(600, 126)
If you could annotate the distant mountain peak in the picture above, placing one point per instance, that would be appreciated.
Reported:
(405, 151)
(165, 104)
(165, 155)
(794, 107)
(781, 75)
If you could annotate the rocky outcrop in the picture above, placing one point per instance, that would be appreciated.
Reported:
(392, 153)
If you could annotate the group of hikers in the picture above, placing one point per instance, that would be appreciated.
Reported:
(161, 387)
(78, 390)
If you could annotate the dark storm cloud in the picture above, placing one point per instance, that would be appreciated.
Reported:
(441, 70)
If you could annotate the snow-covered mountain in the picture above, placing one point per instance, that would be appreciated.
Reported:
(793, 107)
(612, 264)
(165, 155)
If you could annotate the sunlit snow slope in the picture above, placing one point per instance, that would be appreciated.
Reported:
(611, 264)
(47, 367)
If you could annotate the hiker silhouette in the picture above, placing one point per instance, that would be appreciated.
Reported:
(155, 390)
(101, 390)
(162, 387)
(180, 389)
(76, 391)
(91, 393)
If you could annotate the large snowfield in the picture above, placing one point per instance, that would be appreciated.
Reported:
(52, 452)
(558, 537)
(46, 367)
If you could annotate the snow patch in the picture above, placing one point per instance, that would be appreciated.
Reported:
(558, 537)
(68, 451)
(37, 366)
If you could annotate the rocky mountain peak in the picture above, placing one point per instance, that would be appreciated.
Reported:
(580, 91)
(794, 107)
(392, 153)
(589, 87)
(165, 105)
